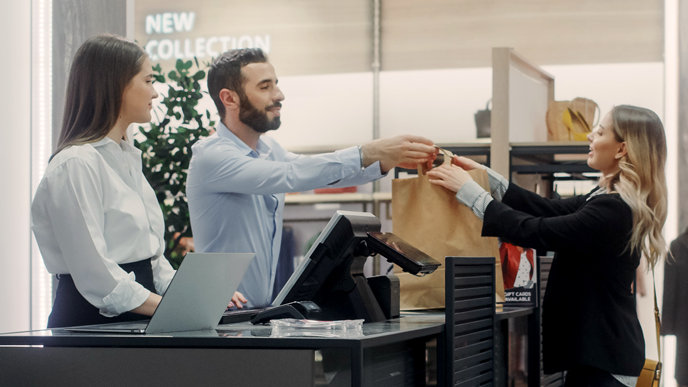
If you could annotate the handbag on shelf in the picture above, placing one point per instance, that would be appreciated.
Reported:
(577, 126)
(430, 218)
(571, 120)
(483, 122)
(652, 369)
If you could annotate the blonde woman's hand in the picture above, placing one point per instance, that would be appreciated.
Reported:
(451, 177)
(466, 164)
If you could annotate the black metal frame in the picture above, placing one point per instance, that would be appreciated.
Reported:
(472, 325)
(542, 158)
(469, 321)
(536, 376)
(467, 150)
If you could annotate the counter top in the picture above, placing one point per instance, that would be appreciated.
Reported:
(238, 335)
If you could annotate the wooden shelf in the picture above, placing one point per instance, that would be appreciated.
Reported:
(550, 157)
(304, 199)
(479, 145)
(550, 147)
(468, 149)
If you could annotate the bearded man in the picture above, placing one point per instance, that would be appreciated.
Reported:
(238, 178)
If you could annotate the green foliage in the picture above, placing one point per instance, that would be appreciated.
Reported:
(167, 150)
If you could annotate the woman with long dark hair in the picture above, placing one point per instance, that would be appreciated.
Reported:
(96, 219)
(590, 327)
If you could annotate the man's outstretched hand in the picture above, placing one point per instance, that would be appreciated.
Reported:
(405, 151)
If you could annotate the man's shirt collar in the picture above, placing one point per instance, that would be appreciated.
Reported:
(262, 149)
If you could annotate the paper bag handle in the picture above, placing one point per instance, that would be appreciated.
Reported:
(448, 155)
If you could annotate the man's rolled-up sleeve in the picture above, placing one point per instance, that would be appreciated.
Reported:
(225, 169)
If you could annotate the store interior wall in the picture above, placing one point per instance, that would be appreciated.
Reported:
(441, 103)
(15, 108)
(683, 113)
(436, 60)
(74, 21)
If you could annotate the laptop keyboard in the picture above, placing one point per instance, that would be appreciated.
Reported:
(130, 326)
(239, 315)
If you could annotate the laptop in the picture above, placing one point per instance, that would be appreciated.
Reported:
(195, 299)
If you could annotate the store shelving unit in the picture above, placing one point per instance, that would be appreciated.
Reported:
(374, 199)
(529, 158)
(549, 158)
(361, 198)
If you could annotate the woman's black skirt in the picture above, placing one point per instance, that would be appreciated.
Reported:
(71, 308)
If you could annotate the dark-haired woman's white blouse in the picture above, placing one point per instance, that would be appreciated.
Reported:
(93, 210)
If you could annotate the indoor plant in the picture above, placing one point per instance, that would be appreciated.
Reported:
(167, 151)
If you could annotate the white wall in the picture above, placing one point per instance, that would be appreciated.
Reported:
(336, 109)
(333, 110)
(15, 108)
(440, 104)
(640, 84)
(326, 110)
(437, 104)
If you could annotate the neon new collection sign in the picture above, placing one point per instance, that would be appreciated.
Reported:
(186, 48)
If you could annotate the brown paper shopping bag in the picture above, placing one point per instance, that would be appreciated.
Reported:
(430, 218)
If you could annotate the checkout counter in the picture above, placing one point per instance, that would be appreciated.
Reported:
(385, 353)
(467, 345)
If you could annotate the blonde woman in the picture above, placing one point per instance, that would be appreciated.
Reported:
(590, 325)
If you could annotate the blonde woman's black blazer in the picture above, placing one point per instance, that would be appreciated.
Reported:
(589, 310)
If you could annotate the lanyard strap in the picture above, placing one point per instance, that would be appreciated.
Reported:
(658, 323)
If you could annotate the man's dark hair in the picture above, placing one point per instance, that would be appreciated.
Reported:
(225, 73)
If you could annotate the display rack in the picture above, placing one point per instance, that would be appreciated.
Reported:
(549, 157)
(376, 199)
(529, 158)
(362, 198)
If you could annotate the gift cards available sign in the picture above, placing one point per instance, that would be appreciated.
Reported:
(520, 297)
(518, 271)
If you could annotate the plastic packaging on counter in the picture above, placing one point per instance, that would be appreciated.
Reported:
(290, 327)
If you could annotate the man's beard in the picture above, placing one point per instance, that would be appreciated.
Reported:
(256, 119)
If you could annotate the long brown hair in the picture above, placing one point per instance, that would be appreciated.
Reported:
(102, 68)
(641, 179)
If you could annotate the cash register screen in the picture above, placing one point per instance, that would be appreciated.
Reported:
(333, 267)
(323, 271)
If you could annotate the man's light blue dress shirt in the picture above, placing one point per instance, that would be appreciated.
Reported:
(236, 198)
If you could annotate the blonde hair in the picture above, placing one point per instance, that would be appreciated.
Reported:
(641, 180)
